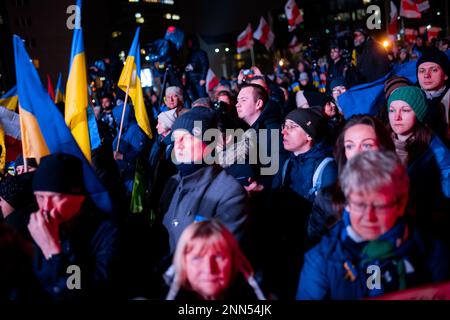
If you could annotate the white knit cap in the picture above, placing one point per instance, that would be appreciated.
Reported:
(300, 100)
(167, 118)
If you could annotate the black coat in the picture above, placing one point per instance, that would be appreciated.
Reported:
(200, 64)
(89, 242)
(371, 61)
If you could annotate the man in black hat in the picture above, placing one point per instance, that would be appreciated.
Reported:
(433, 71)
(199, 190)
(19, 165)
(308, 168)
(70, 232)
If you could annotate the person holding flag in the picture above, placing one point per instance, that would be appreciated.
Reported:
(134, 130)
(69, 195)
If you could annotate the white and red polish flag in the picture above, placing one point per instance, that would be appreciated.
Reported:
(293, 14)
(211, 80)
(423, 5)
(433, 32)
(409, 9)
(245, 39)
(294, 45)
(393, 23)
(263, 34)
(410, 35)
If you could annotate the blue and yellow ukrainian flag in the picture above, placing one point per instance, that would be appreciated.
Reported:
(76, 106)
(43, 128)
(9, 99)
(59, 92)
(130, 78)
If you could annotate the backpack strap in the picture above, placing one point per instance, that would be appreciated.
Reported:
(317, 177)
(284, 171)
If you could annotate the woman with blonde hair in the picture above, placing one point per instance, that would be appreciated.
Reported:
(208, 264)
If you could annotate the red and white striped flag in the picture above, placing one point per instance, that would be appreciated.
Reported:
(433, 32)
(422, 30)
(410, 35)
(263, 34)
(211, 80)
(245, 39)
(393, 24)
(293, 14)
(409, 9)
(294, 45)
(423, 5)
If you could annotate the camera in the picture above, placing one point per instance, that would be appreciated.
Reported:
(248, 72)
(220, 106)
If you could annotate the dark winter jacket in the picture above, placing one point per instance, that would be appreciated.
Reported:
(90, 242)
(270, 120)
(210, 193)
(371, 61)
(334, 269)
(132, 145)
(298, 173)
(198, 59)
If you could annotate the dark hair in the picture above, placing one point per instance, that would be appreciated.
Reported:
(381, 132)
(258, 92)
(420, 140)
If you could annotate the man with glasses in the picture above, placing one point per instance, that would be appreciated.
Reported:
(308, 168)
(303, 132)
(373, 249)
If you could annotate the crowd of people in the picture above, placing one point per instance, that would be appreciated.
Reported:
(258, 189)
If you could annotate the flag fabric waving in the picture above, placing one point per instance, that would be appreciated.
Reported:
(409, 9)
(10, 99)
(245, 39)
(43, 129)
(59, 92)
(130, 78)
(50, 90)
(264, 34)
(368, 97)
(393, 23)
(294, 45)
(77, 94)
(293, 14)
(211, 80)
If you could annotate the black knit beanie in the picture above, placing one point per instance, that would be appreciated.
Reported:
(196, 121)
(311, 121)
(59, 172)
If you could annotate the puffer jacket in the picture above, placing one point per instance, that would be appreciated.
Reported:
(207, 193)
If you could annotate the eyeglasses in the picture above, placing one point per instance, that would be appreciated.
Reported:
(289, 127)
(378, 208)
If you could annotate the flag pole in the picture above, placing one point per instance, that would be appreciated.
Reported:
(123, 116)
(387, 10)
(22, 136)
(252, 55)
(447, 26)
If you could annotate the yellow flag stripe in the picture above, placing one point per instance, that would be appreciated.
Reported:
(33, 143)
(129, 77)
(76, 104)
